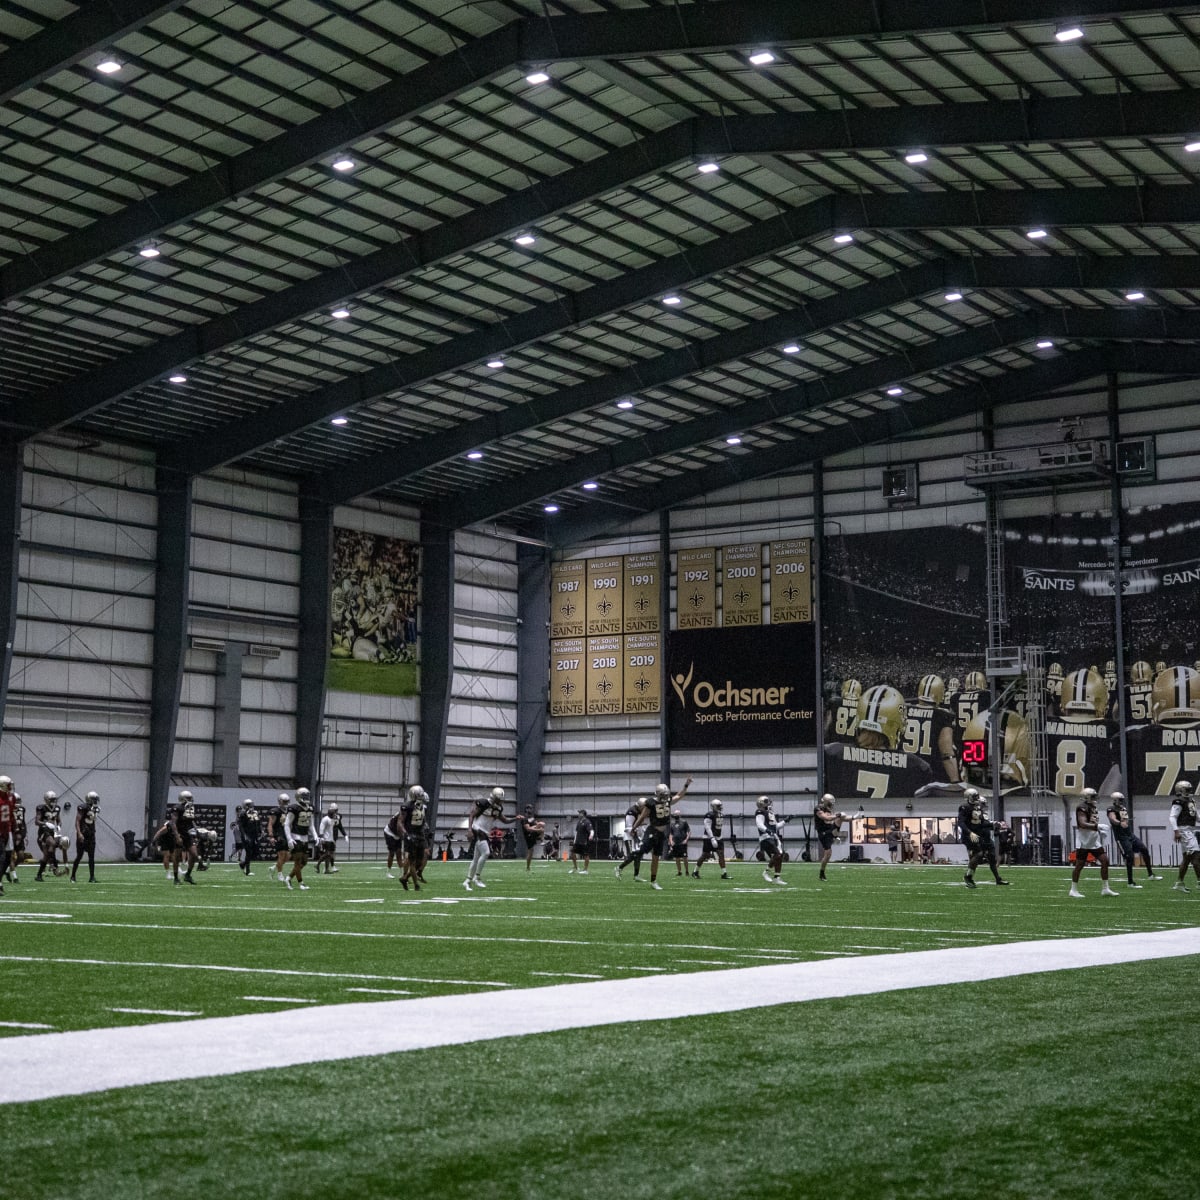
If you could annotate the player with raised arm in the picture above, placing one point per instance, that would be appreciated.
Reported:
(484, 815)
(1183, 825)
(655, 814)
(1088, 841)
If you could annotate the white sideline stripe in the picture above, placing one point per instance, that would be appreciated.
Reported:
(101, 962)
(44, 1065)
(23, 1025)
(158, 1012)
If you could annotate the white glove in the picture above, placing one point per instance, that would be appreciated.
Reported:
(291, 843)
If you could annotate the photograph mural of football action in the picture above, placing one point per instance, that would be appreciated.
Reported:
(374, 644)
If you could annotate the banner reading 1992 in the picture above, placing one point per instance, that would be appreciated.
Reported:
(696, 588)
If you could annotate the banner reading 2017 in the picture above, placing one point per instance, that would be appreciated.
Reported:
(741, 688)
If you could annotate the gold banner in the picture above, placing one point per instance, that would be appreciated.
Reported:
(603, 675)
(741, 585)
(566, 599)
(791, 581)
(643, 592)
(696, 588)
(603, 596)
(567, 674)
(643, 672)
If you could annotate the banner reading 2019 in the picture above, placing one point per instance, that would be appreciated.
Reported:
(741, 688)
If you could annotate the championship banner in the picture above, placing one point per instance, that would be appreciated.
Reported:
(567, 675)
(566, 599)
(741, 688)
(741, 585)
(604, 596)
(603, 676)
(696, 588)
(791, 581)
(643, 672)
(642, 592)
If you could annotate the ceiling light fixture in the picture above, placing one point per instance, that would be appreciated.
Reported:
(1045, 344)
(590, 486)
(534, 78)
(149, 250)
(551, 508)
(339, 421)
(1072, 33)
(1192, 147)
(495, 364)
(672, 300)
(844, 239)
(178, 379)
(626, 403)
(791, 348)
(760, 58)
(1135, 295)
(474, 455)
(109, 66)
(525, 239)
(913, 157)
(895, 391)
(344, 164)
(1035, 234)
(707, 168)
(340, 314)
(952, 296)
(733, 440)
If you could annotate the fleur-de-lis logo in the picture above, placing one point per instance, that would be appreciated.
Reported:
(791, 593)
(604, 607)
(567, 688)
(567, 608)
(641, 683)
(604, 686)
(742, 597)
(641, 603)
(696, 600)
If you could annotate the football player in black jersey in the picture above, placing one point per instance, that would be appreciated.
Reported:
(976, 832)
(712, 843)
(678, 836)
(275, 830)
(414, 819)
(634, 846)
(656, 816)
(1168, 748)
(1088, 841)
(186, 837)
(770, 839)
(1183, 824)
(1080, 744)
(248, 825)
(929, 729)
(20, 835)
(582, 842)
(1121, 822)
(85, 835)
(874, 766)
(531, 830)
(297, 826)
(393, 837)
(828, 826)
(48, 835)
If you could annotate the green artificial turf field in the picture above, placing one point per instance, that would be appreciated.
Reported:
(1065, 1084)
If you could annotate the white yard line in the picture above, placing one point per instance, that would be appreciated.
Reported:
(278, 1000)
(158, 1012)
(44, 1065)
(23, 1025)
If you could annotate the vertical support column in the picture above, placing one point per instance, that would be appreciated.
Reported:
(437, 652)
(12, 465)
(316, 570)
(664, 623)
(817, 584)
(170, 630)
(227, 720)
(533, 658)
(1116, 531)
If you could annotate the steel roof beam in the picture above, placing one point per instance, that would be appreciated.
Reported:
(871, 377)
(976, 209)
(90, 28)
(1015, 272)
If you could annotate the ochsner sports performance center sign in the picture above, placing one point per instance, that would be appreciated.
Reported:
(741, 688)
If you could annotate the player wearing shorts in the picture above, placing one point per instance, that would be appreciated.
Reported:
(1183, 822)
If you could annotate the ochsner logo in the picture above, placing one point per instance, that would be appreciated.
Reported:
(681, 683)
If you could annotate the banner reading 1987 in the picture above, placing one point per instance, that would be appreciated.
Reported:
(566, 599)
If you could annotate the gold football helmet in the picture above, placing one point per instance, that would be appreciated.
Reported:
(1054, 679)
(1175, 696)
(931, 689)
(881, 709)
(1141, 672)
(1084, 695)
(976, 682)
(1014, 752)
(851, 690)
(954, 685)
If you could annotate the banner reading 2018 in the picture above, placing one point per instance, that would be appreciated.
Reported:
(741, 688)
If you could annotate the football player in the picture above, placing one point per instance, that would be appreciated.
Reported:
(484, 815)
(976, 831)
(873, 766)
(1167, 750)
(531, 830)
(48, 834)
(770, 840)
(297, 826)
(328, 832)
(1110, 676)
(7, 821)
(1137, 693)
(929, 729)
(1080, 744)
(712, 843)
(393, 836)
(828, 825)
(678, 836)
(162, 840)
(973, 698)
(1054, 682)
(85, 835)
(655, 814)
(634, 847)
(248, 825)
(186, 837)
(1183, 824)
(20, 834)
(844, 717)
(1121, 822)
(581, 843)
(275, 830)
(414, 820)
(1088, 840)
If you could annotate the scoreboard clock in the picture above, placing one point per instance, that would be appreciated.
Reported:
(974, 752)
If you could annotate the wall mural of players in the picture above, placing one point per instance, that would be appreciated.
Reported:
(903, 635)
(375, 646)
